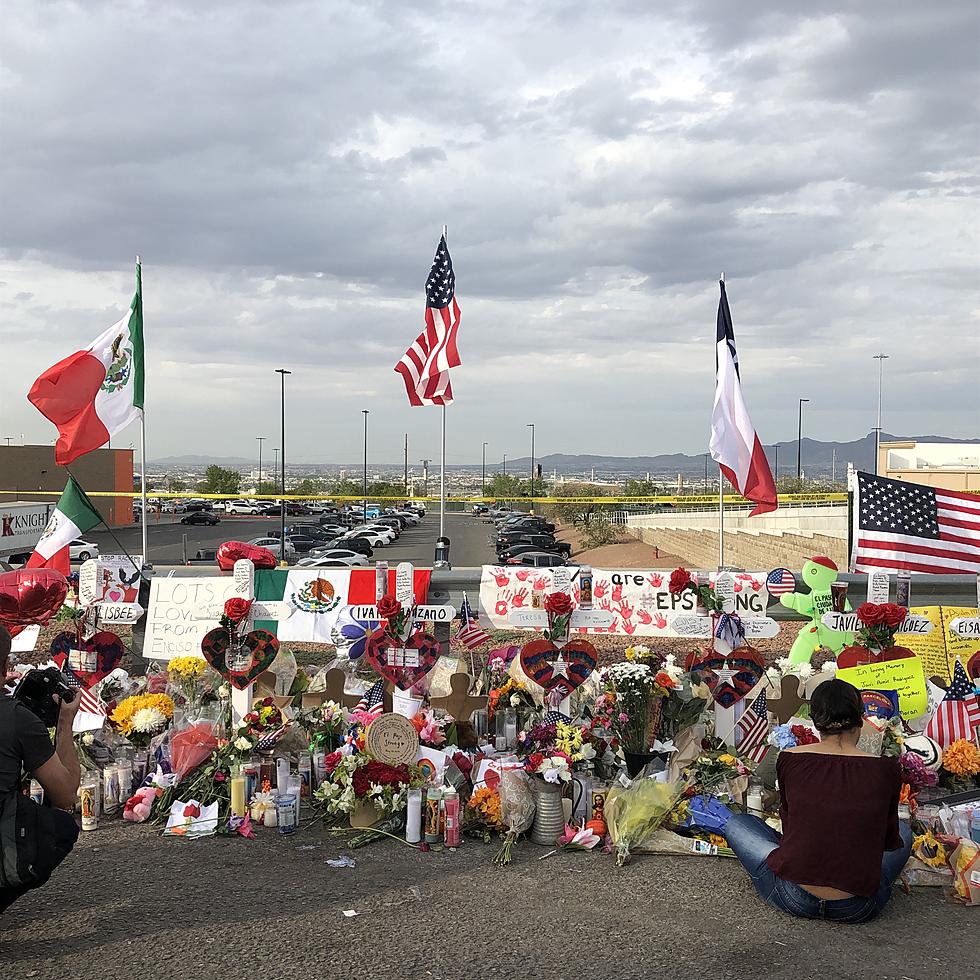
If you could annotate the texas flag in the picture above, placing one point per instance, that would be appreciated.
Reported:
(734, 444)
(95, 393)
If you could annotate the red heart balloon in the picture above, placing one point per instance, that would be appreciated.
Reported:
(856, 656)
(104, 651)
(402, 663)
(537, 660)
(31, 595)
(232, 551)
(731, 677)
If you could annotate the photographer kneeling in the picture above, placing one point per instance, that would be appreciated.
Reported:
(34, 839)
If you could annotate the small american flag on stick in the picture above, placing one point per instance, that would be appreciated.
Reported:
(372, 702)
(753, 727)
(87, 700)
(425, 365)
(470, 633)
(958, 714)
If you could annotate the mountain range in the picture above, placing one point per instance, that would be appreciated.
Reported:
(818, 459)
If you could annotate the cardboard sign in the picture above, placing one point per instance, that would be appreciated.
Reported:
(904, 676)
(109, 578)
(537, 619)
(421, 614)
(392, 739)
(878, 588)
(849, 623)
(172, 628)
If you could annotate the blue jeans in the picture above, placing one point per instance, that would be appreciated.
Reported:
(753, 840)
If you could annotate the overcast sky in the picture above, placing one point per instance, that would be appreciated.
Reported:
(284, 169)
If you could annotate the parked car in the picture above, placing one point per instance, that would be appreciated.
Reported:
(241, 507)
(559, 548)
(322, 558)
(201, 517)
(537, 559)
(204, 556)
(273, 545)
(536, 524)
(409, 516)
(358, 545)
(292, 510)
(544, 541)
(480, 509)
(80, 550)
(392, 522)
(374, 538)
(302, 543)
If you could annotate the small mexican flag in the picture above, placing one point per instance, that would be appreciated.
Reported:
(95, 393)
(74, 515)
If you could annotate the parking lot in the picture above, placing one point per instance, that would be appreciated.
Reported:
(167, 545)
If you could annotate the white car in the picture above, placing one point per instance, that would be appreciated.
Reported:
(272, 544)
(380, 529)
(409, 516)
(334, 558)
(377, 539)
(80, 550)
(241, 507)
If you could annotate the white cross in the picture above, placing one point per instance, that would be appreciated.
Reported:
(244, 588)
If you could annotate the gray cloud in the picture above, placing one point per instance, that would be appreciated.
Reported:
(285, 169)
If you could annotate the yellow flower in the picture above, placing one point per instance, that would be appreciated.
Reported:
(187, 667)
(630, 653)
(728, 759)
(568, 738)
(962, 758)
(122, 715)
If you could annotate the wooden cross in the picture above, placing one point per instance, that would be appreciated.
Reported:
(334, 691)
(460, 703)
(244, 588)
(788, 702)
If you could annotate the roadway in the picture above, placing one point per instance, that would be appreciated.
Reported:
(165, 537)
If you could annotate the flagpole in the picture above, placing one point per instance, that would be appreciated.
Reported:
(139, 282)
(721, 507)
(442, 465)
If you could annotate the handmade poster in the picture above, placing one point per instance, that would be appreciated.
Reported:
(939, 649)
(317, 597)
(639, 600)
(904, 676)
(110, 578)
(172, 626)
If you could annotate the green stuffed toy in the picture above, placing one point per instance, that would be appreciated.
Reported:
(818, 573)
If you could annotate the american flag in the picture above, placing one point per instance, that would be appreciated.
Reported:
(270, 739)
(425, 366)
(87, 700)
(470, 633)
(372, 703)
(907, 526)
(958, 714)
(780, 581)
(753, 728)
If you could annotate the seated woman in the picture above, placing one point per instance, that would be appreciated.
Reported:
(842, 845)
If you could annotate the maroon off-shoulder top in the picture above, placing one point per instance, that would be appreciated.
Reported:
(840, 814)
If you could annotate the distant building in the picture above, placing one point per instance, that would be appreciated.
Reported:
(26, 471)
(948, 465)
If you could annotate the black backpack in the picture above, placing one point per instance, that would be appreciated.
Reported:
(27, 837)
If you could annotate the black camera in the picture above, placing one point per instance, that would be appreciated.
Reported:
(37, 690)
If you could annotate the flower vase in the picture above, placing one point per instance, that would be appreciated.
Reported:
(365, 814)
(549, 814)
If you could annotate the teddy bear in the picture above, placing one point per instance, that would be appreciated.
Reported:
(137, 807)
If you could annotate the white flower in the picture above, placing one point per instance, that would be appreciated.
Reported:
(784, 664)
(242, 744)
(515, 700)
(805, 671)
(585, 753)
(148, 720)
(828, 666)
(88, 739)
(224, 691)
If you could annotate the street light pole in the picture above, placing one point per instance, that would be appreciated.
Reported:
(505, 464)
(425, 477)
(880, 358)
(530, 425)
(775, 462)
(365, 413)
(282, 372)
(706, 455)
(799, 442)
(483, 477)
(258, 482)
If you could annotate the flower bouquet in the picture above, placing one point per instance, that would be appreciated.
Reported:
(511, 694)
(559, 608)
(142, 716)
(185, 676)
(354, 779)
(324, 725)
(788, 736)
(961, 765)
(516, 810)
(263, 726)
(875, 640)
(633, 814)
(483, 817)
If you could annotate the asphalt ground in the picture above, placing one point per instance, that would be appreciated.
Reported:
(130, 903)
(469, 537)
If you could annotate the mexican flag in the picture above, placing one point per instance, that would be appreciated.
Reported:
(317, 596)
(95, 393)
(74, 515)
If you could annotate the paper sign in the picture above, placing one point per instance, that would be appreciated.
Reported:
(172, 628)
(392, 739)
(25, 640)
(849, 623)
(119, 613)
(404, 583)
(561, 580)
(702, 627)
(904, 676)
(424, 614)
(537, 619)
(725, 590)
(878, 588)
(967, 628)
(939, 649)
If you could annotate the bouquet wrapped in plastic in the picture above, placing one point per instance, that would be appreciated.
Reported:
(516, 809)
(634, 813)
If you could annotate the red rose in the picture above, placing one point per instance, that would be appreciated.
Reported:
(237, 609)
(219, 777)
(331, 762)
(680, 579)
(871, 614)
(192, 810)
(558, 604)
(804, 735)
(535, 761)
(360, 781)
(388, 606)
(893, 614)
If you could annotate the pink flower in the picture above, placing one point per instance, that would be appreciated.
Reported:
(623, 717)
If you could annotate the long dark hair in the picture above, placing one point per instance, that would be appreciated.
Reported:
(836, 707)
